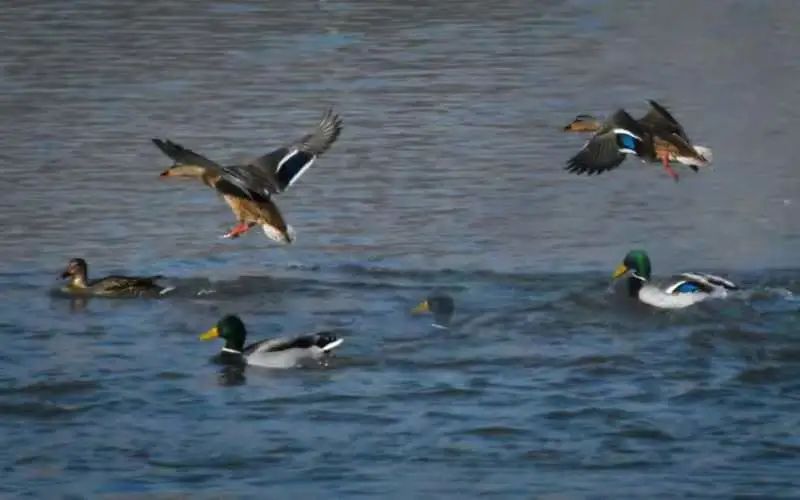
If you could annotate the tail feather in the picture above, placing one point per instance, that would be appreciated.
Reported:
(331, 343)
(275, 234)
(705, 153)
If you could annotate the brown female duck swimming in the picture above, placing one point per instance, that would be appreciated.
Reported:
(77, 272)
(248, 188)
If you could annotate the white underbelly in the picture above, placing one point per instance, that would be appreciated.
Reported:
(657, 298)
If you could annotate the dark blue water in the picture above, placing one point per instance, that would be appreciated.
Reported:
(448, 176)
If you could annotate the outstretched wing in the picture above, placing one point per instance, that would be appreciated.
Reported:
(599, 155)
(278, 170)
(606, 150)
(669, 135)
(661, 122)
(182, 156)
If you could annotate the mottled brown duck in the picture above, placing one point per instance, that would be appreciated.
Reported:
(656, 137)
(248, 188)
(77, 272)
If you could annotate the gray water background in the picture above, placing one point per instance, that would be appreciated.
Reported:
(448, 174)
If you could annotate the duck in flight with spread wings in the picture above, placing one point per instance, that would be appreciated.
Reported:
(248, 188)
(656, 137)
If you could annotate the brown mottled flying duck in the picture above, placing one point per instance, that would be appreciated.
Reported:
(248, 188)
(656, 137)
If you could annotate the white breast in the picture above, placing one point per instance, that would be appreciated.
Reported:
(288, 358)
(656, 297)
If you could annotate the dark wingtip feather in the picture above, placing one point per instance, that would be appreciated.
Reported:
(575, 167)
(333, 120)
(166, 146)
(326, 133)
(661, 109)
(578, 168)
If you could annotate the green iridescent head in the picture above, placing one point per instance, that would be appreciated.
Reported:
(637, 262)
(230, 328)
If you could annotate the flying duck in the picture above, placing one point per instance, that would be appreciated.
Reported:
(248, 188)
(657, 136)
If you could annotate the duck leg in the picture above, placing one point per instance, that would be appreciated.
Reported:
(667, 167)
(239, 229)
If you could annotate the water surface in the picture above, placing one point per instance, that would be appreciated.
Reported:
(448, 175)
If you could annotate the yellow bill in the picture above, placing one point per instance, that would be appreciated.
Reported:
(423, 307)
(619, 271)
(211, 334)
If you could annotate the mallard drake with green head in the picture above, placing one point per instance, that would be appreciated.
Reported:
(657, 136)
(248, 188)
(676, 292)
(77, 272)
(441, 306)
(285, 352)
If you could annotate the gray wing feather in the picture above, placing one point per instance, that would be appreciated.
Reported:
(319, 340)
(275, 171)
(184, 156)
(661, 122)
(711, 280)
(601, 153)
(325, 134)
(250, 182)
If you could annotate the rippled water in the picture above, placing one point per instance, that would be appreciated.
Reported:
(447, 176)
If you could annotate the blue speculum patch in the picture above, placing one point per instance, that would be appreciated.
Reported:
(687, 288)
(628, 142)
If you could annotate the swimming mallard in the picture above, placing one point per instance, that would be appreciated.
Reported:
(677, 292)
(248, 188)
(441, 306)
(657, 136)
(274, 353)
(111, 286)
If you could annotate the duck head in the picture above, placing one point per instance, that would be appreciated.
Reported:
(441, 306)
(231, 329)
(583, 123)
(637, 263)
(76, 271)
(637, 266)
